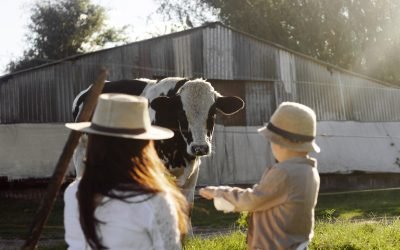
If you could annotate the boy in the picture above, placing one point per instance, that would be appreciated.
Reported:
(282, 203)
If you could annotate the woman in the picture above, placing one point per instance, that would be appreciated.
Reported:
(125, 198)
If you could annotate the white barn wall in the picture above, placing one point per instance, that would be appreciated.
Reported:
(30, 150)
(359, 146)
(239, 156)
(240, 153)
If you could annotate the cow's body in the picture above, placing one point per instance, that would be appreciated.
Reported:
(186, 107)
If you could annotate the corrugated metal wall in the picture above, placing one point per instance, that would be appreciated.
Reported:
(42, 96)
(270, 73)
(232, 55)
(45, 94)
(260, 102)
(336, 95)
(218, 53)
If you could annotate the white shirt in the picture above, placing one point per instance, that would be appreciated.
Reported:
(145, 223)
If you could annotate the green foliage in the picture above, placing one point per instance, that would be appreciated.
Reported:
(186, 14)
(359, 35)
(59, 29)
(328, 214)
(242, 220)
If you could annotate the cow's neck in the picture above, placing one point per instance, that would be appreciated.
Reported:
(173, 152)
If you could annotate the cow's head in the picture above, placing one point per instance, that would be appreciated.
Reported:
(192, 112)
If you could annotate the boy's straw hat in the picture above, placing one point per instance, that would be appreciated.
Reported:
(292, 125)
(122, 115)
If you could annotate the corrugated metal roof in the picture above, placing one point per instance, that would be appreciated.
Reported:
(213, 51)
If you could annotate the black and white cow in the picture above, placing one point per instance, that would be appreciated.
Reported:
(189, 108)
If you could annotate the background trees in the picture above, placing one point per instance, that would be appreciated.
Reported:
(359, 35)
(63, 28)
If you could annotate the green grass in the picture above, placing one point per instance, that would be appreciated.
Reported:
(361, 235)
(333, 229)
(233, 241)
(205, 215)
(359, 205)
(340, 235)
(16, 216)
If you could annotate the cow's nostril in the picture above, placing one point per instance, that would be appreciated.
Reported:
(205, 149)
(200, 150)
(196, 150)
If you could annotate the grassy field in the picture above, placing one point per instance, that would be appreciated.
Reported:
(17, 215)
(233, 241)
(336, 228)
(341, 234)
(359, 205)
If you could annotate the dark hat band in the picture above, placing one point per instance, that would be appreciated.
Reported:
(289, 135)
(134, 131)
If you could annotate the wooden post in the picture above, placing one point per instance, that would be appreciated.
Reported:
(55, 182)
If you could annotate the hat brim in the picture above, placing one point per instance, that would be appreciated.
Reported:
(301, 146)
(152, 133)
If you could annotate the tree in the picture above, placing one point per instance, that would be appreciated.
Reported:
(59, 29)
(359, 35)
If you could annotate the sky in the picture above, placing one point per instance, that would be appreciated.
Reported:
(16, 13)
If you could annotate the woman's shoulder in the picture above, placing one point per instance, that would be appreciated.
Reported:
(146, 201)
(162, 199)
(154, 205)
(149, 209)
(154, 201)
(165, 206)
(70, 191)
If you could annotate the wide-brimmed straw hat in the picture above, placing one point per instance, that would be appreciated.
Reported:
(122, 115)
(292, 125)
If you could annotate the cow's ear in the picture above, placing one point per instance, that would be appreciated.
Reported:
(164, 103)
(229, 105)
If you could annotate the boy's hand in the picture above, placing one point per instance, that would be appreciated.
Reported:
(208, 192)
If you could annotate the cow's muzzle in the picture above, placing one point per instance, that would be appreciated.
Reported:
(200, 150)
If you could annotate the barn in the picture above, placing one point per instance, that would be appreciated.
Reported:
(358, 117)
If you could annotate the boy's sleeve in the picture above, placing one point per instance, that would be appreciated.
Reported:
(270, 192)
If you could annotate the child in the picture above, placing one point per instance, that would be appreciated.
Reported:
(282, 203)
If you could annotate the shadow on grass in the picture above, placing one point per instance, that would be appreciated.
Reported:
(17, 215)
(205, 215)
(359, 205)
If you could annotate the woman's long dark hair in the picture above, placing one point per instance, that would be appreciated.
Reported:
(114, 163)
